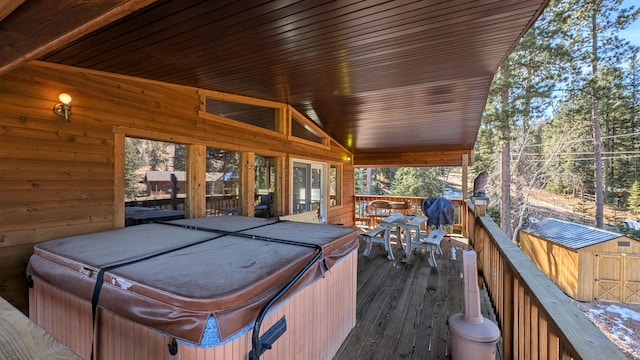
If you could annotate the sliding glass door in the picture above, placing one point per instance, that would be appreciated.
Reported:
(308, 184)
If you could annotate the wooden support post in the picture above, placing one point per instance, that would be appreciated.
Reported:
(465, 191)
(288, 186)
(465, 176)
(278, 189)
(283, 116)
(195, 203)
(174, 192)
(247, 175)
(118, 182)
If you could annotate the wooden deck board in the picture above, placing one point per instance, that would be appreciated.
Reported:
(438, 344)
(385, 344)
(20, 338)
(367, 298)
(402, 309)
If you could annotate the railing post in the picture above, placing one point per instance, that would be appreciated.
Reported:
(479, 235)
(480, 206)
(471, 225)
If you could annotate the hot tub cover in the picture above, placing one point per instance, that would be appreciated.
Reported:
(225, 275)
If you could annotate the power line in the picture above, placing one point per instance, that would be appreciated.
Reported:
(591, 139)
(585, 159)
(633, 152)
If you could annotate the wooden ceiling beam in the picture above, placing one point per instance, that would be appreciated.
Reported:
(29, 32)
(418, 159)
(8, 7)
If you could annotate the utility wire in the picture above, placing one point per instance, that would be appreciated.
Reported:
(585, 159)
(633, 152)
(590, 139)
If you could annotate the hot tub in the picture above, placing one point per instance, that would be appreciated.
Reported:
(198, 285)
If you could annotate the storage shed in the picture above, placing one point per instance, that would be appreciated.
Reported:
(585, 262)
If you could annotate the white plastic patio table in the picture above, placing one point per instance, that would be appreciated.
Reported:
(411, 225)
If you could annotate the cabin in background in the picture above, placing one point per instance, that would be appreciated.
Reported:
(159, 182)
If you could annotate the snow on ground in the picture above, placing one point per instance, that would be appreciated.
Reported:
(619, 322)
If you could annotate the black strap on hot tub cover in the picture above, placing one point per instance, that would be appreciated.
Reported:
(261, 344)
(239, 233)
(100, 276)
(258, 346)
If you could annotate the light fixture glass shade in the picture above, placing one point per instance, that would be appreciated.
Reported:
(64, 98)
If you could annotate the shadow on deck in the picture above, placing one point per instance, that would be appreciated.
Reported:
(402, 308)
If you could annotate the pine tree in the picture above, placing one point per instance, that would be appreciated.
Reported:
(158, 156)
(418, 181)
(634, 197)
(593, 33)
(132, 162)
(520, 94)
(360, 179)
(498, 117)
(225, 163)
(572, 59)
(179, 157)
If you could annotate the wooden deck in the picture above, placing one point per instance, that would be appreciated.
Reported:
(402, 309)
(20, 338)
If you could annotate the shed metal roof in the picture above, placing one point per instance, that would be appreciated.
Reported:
(572, 235)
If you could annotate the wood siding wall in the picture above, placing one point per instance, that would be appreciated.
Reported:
(344, 213)
(61, 179)
(560, 264)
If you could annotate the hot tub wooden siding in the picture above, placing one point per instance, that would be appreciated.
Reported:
(319, 318)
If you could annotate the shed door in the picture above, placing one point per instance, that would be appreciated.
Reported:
(608, 286)
(631, 279)
(617, 278)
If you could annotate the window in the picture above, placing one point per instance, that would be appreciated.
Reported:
(222, 182)
(265, 186)
(154, 179)
(307, 188)
(261, 116)
(301, 130)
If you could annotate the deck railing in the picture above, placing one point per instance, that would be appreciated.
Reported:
(537, 320)
(215, 204)
(362, 219)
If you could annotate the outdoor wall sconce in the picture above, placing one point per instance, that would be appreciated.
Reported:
(63, 108)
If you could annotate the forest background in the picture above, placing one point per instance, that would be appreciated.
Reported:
(562, 116)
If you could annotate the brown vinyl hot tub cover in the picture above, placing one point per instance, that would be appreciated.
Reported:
(228, 276)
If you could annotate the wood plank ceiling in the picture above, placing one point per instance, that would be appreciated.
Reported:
(378, 76)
